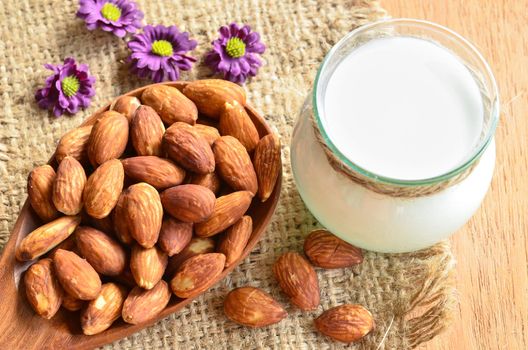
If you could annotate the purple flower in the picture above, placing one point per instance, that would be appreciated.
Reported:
(68, 89)
(160, 53)
(235, 54)
(117, 16)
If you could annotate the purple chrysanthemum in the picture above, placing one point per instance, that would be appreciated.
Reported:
(116, 16)
(68, 89)
(235, 54)
(160, 53)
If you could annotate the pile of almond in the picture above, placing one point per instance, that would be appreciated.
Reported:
(297, 278)
(147, 202)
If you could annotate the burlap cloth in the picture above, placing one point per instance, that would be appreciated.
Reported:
(409, 295)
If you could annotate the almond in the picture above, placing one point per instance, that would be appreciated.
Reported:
(75, 144)
(235, 239)
(234, 164)
(211, 181)
(197, 274)
(103, 188)
(121, 222)
(105, 255)
(235, 121)
(76, 275)
(68, 186)
(46, 237)
(170, 104)
(297, 280)
(210, 95)
(143, 305)
(109, 138)
(126, 105)
(188, 149)
(327, 251)
(174, 236)
(40, 192)
(267, 163)
(252, 307)
(189, 203)
(209, 133)
(144, 213)
(68, 244)
(147, 265)
(43, 290)
(196, 246)
(70, 303)
(346, 323)
(228, 210)
(158, 172)
(146, 132)
(101, 312)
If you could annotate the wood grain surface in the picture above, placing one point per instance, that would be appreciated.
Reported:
(491, 250)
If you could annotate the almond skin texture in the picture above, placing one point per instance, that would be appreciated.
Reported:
(196, 246)
(103, 188)
(105, 255)
(267, 163)
(189, 203)
(70, 303)
(143, 305)
(40, 192)
(188, 149)
(144, 213)
(252, 307)
(76, 275)
(325, 250)
(228, 210)
(174, 236)
(68, 186)
(121, 222)
(346, 323)
(43, 290)
(109, 138)
(234, 164)
(197, 274)
(298, 280)
(235, 121)
(75, 144)
(171, 105)
(101, 312)
(209, 133)
(211, 181)
(46, 237)
(210, 95)
(146, 132)
(158, 172)
(126, 105)
(234, 240)
(68, 244)
(147, 265)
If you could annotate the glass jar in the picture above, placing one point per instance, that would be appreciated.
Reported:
(387, 214)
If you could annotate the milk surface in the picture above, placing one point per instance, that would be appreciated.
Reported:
(403, 108)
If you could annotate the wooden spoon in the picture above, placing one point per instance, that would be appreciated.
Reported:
(22, 328)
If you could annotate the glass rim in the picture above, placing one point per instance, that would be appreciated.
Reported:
(474, 155)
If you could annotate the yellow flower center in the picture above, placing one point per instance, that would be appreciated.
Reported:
(111, 12)
(162, 48)
(70, 85)
(235, 47)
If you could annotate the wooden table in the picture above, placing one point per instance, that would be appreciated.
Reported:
(492, 268)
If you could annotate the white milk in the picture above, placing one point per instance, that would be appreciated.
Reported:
(403, 108)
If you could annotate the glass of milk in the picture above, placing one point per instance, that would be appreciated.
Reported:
(409, 108)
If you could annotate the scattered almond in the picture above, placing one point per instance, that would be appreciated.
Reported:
(103, 188)
(43, 290)
(210, 95)
(327, 251)
(234, 164)
(101, 312)
(76, 275)
(346, 323)
(105, 255)
(68, 186)
(235, 239)
(147, 265)
(252, 307)
(108, 138)
(189, 203)
(143, 305)
(170, 104)
(297, 280)
(197, 274)
(40, 192)
(267, 163)
(174, 236)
